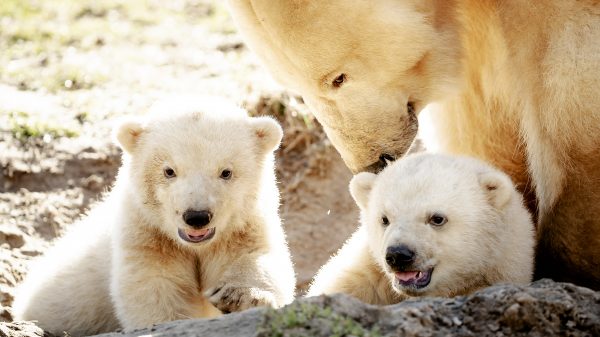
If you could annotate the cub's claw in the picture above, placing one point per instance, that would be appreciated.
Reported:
(232, 298)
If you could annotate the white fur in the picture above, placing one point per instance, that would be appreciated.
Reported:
(489, 236)
(125, 265)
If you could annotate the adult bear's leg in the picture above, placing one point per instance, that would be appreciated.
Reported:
(569, 233)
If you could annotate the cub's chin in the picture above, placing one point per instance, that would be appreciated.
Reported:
(413, 282)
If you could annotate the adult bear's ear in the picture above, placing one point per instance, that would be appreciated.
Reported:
(268, 133)
(497, 186)
(360, 187)
(127, 135)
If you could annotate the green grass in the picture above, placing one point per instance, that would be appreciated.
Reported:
(73, 50)
(19, 9)
(25, 127)
(36, 35)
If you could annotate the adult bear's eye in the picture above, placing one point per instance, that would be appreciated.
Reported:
(169, 172)
(338, 81)
(437, 219)
(226, 174)
(385, 221)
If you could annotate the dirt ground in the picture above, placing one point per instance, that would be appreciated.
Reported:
(68, 69)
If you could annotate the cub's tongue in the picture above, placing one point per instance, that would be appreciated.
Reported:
(407, 275)
(197, 232)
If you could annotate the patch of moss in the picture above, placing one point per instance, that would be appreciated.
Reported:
(19, 9)
(302, 319)
(23, 127)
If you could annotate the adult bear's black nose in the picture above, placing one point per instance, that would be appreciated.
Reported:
(197, 218)
(384, 160)
(399, 257)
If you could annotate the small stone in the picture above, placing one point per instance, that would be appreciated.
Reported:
(446, 321)
(93, 182)
(525, 298)
(512, 311)
(493, 326)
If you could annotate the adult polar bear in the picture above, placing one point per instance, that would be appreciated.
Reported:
(517, 85)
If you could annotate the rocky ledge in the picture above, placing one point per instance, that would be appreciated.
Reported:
(544, 308)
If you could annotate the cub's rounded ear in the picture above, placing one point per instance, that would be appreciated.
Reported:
(127, 135)
(360, 187)
(268, 133)
(497, 186)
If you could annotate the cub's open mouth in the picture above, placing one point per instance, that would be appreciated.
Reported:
(414, 279)
(196, 235)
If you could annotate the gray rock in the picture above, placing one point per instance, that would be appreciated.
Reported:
(236, 324)
(21, 329)
(544, 308)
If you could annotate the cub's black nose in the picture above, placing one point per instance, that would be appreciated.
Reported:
(197, 218)
(399, 257)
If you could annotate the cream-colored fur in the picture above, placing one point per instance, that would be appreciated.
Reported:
(488, 237)
(125, 264)
(516, 84)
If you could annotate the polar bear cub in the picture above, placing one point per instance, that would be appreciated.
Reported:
(190, 229)
(431, 225)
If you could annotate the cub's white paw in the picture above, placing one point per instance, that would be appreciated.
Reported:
(229, 298)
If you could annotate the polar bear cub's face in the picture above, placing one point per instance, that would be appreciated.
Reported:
(199, 166)
(432, 221)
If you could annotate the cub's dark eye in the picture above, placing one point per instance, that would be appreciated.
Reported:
(385, 221)
(169, 172)
(338, 81)
(226, 174)
(410, 107)
(437, 219)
